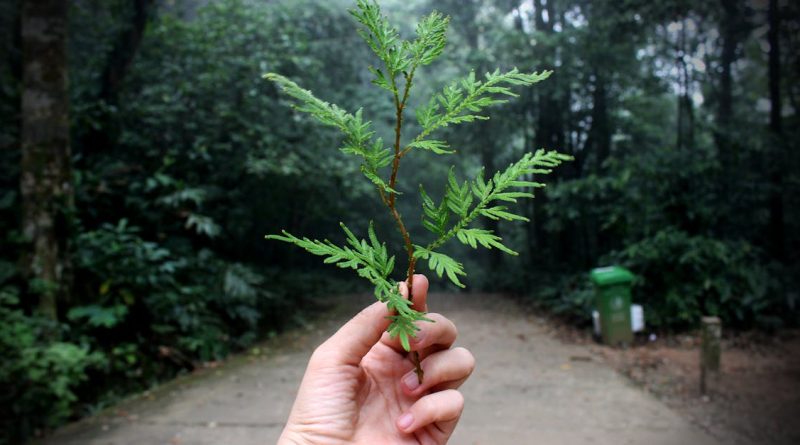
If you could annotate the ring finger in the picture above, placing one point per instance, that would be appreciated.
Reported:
(443, 370)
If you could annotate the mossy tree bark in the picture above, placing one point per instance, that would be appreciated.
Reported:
(45, 179)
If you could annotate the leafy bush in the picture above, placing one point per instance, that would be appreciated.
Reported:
(38, 376)
(680, 278)
(683, 277)
(201, 307)
(570, 296)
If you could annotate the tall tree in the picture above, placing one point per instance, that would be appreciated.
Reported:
(45, 179)
(733, 30)
(730, 35)
(685, 130)
(547, 129)
(776, 210)
(123, 52)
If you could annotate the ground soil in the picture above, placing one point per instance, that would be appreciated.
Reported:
(528, 387)
(754, 399)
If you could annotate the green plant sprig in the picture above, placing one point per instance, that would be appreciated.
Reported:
(461, 101)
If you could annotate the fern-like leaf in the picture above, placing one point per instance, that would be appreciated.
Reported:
(383, 39)
(486, 238)
(431, 39)
(438, 147)
(459, 197)
(441, 264)
(462, 100)
(435, 217)
(370, 260)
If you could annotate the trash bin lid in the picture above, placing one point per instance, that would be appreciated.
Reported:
(606, 276)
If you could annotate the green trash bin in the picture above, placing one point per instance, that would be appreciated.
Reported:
(613, 303)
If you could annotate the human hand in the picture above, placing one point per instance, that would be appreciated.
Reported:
(360, 386)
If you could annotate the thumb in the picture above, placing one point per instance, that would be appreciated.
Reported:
(354, 340)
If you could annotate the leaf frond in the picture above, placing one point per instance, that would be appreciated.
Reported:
(441, 264)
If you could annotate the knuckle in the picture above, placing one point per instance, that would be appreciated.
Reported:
(443, 323)
(317, 354)
(320, 356)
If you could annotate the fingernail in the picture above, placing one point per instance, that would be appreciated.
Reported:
(411, 381)
(405, 421)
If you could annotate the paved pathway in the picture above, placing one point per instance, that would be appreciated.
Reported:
(528, 388)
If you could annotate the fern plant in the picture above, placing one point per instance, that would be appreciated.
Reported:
(460, 101)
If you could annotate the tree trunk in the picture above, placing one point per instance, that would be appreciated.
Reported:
(124, 51)
(102, 136)
(725, 98)
(45, 179)
(549, 132)
(598, 140)
(776, 208)
(723, 128)
(685, 133)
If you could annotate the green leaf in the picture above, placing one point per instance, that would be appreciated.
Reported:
(377, 180)
(441, 264)
(499, 212)
(380, 79)
(98, 316)
(486, 238)
(431, 38)
(324, 112)
(458, 197)
(381, 37)
(434, 217)
(438, 147)
(203, 225)
(462, 99)
(369, 259)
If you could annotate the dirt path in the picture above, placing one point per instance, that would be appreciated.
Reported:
(528, 388)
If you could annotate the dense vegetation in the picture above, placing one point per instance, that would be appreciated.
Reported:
(681, 116)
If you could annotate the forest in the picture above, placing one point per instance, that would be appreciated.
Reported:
(144, 157)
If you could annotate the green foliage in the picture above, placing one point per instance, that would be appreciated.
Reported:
(98, 316)
(201, 306)
(200, 156)
(685, 277)
(39, 376)
(459, 102)
(460, 99)
(372, 261)
(358, 135)
(458, 199)
(681, 278)
(441, 263)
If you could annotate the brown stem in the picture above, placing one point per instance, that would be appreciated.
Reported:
(400, 105)
(390, 203)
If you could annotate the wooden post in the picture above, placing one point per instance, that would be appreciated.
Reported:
(710, 350)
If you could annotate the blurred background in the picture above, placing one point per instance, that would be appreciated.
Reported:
(134, 197)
